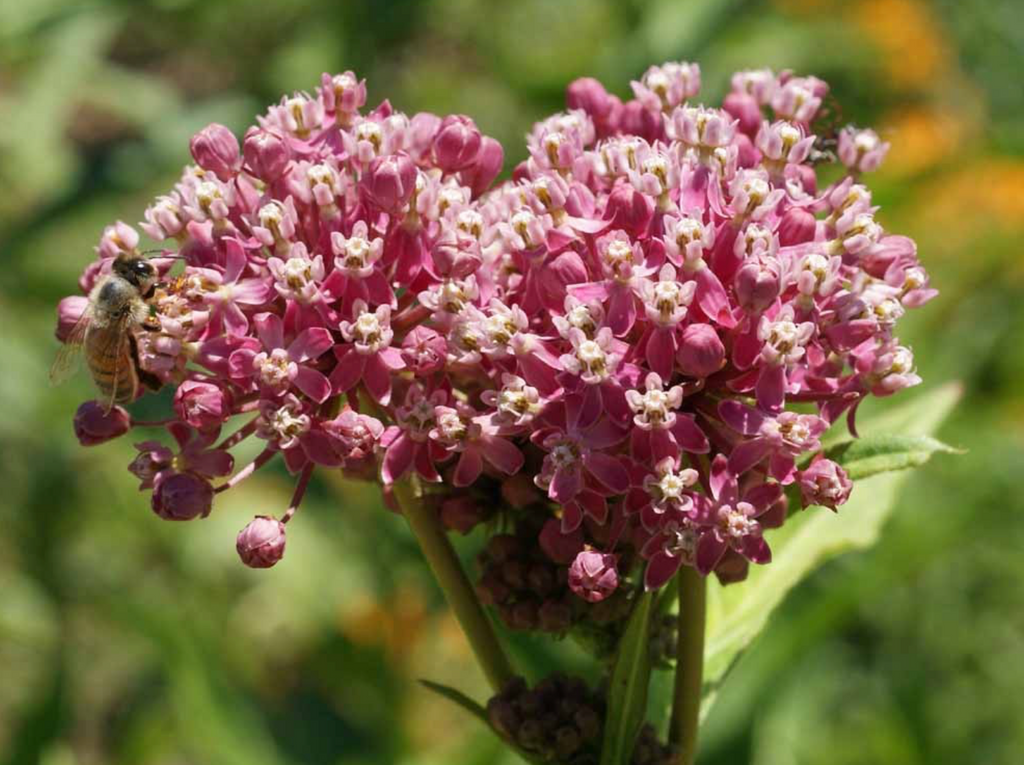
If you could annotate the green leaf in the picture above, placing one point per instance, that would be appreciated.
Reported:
(458, 697)
(737, 614)
(627, 693)
(881, 453)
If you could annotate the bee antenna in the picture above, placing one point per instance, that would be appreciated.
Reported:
(163, 254)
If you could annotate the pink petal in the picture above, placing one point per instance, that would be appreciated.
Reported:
(589, 292)
(235, 322)
(377, 377)
(234, 259)
(710, 550)
(689, 436)
(310, 344)
(270, 329)
(723, 482)
(771, 388)
(469, 468)
(313, 383)
(572, 517)
(660, 569)
(755, 549)
(502, 454)
(593, 504)
(660, 352)
(608, 470)
(565, 485)
(251, 292)
(747, 454)
(712, 298)
(621, 310)
(740, 417)
(318, 447)
(391, 358)
(398, 458)
(348, 371)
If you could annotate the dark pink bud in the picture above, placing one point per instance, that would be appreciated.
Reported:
(825, 483)
(456, 257)
(629, 210)
(588, 94)
(732, 568)
(796, 227)
(635, 119)
(267, 154)
(461, 513)
(483, 171)
(756, 287)
(747, 154)
(182, 497)
(568, 268)
(744, 107)
(457, 143)
(701, 352)
(424, 351)
(69, 311)
(806, 176)
(93, 426)
(261, 543)
(215, 148)
(390, 181)
(520, 491)
(561, 548)
(202, 405)
(422, 129)
(593, 575)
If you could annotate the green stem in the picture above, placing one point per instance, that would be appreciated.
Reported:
(438, 551)
(689, 664)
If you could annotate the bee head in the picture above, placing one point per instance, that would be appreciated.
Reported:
(137, 271)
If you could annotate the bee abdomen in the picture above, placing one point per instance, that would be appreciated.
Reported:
(115, 376)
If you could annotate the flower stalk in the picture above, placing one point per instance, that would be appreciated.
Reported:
(461, 596)
(689, 664)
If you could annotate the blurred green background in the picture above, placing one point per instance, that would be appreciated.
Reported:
(127, 640)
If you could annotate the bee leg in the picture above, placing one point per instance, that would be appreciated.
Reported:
(148, 379)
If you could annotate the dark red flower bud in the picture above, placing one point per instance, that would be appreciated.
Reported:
(93, 426)
(261, 543)
(215, 148)
(182, 497)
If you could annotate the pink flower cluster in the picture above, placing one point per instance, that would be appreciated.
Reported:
(633, 315)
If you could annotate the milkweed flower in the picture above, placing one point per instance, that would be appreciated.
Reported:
(632, 346)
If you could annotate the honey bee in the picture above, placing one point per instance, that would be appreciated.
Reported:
(116, 310)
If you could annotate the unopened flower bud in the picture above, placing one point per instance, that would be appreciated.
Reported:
(390, 181)
(796, 227)
(424, 351)
(561, 548)
(93, 426)
(629, 210)
(485, 168)
(182, 497)
(756, 287)
(568, 268)
(261, 543)
(69, 311)
(745, 109)
(701, 352)
(461, 513)
(202, 405)
(588, 94)
(215, 148)
(825, 483)
(519, 491)
(456, 144)
(593, 575)
(555, 616)
(267, 154)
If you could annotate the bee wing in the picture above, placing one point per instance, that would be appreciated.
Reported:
(69, 356)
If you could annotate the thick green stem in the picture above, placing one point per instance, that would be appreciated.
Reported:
(689, 664)
(438, 551)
